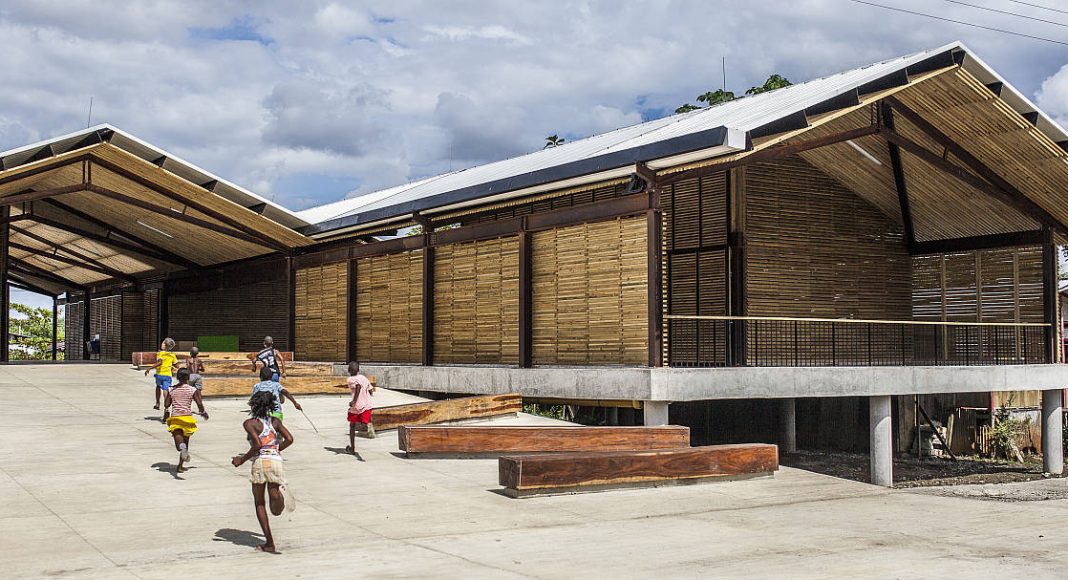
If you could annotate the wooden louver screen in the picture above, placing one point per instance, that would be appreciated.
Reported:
(249, 312)
(322, 312)
(476, 302)
(590, 293)
(1000, 285)
(389, 307)
(105, 319)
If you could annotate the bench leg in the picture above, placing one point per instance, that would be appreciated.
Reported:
(656, 413)
(882, 435)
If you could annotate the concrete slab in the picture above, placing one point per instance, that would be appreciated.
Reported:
(88, 490)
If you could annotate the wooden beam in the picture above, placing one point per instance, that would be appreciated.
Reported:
(19, 279)
(30, 269)
(525, 475)
(448, 410)
(52, 254)
(526, 301)
(768, 154)
(1014, 239)
(149, 250)
(1005, 190)
(26, 196)
(899, 181)
(178, 216)
(421, 440)
(100, 267)
(250, 231)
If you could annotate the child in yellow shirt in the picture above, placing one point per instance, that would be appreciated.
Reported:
(166, 362)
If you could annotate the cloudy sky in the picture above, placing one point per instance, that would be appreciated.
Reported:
(308, 102)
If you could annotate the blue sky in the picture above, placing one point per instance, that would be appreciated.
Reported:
(308, 102)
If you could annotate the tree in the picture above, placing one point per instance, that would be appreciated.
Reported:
(716, 97)
(32, 330)
(686, 108)
(773, 82)
(553, 141)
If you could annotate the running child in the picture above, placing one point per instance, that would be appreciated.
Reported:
(181, 422)
(267, 437)
(268, 384)
(164, 367)
(196, 368)
(360, 406)
(270, 358)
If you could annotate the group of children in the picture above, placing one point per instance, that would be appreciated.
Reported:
(264, 429)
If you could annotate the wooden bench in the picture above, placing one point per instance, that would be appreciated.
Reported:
(480, 440)
(445, 411)
(529, 475)
(147, 359)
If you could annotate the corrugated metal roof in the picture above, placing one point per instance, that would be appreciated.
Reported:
(741, 115)
(174, 164)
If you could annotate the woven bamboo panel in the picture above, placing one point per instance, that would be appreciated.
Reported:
(249, 312)
(322, 312)
(105, 319)
(1000, 285)
(815, 249)
(389, 308)
(590, 293)
(72, 330)
(476, 302)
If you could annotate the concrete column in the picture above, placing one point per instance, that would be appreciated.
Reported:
(788, 435)
(882, 441)
(655, 412)
(1052, 425)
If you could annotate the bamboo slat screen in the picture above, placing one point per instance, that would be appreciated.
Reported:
(105, 319)
(72, 330)
(815, 249)
(1000, 285)
(140, 322)
(322, 312)
(590, 293)
(249, 312)
(476, 302)
(548, 203)
(389, 308)
(695, 238)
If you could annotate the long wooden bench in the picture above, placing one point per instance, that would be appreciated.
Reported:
(529, 475)
(445, 411)
(482, 440)
(147, 359)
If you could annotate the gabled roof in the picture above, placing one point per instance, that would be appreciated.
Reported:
(672, 140)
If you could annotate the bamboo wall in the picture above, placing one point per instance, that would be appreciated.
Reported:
(140, 322)
(389, 307)
(816, 249)
(590, 293)
(999, 285)
(249, 312)
(322, 312)
(476, 302)
(72, 330)
(105, 319)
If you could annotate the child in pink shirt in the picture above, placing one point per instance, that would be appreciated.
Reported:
(360, 406)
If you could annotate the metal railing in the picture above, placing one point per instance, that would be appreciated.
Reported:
(718, 341)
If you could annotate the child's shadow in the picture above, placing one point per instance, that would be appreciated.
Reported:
(164, 467)
(343, 451)
(238, 537)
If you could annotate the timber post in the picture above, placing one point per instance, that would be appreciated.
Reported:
(736, 355)
(655, 272)
(55, 326)
(350, 315)
(1049, 293)
(291, 304)
(428, 290)
(87, 313)
(5, 300)
(526, 297)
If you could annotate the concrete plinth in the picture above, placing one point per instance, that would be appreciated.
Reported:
(882, 438)
(655, 413)
(1052, 427)
(788, 424)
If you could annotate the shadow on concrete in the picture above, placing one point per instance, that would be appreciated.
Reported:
(239, 537)
(164, 467)
(343, 451)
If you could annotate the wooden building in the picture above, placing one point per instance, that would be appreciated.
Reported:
(882, 232)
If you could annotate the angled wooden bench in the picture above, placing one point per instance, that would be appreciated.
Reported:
(445, 411)
(437, 440)
(531, 475)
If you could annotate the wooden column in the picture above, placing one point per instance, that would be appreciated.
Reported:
(654, 220)
(428, 301)
(164, 314)
(5, 288)
(350, 315)
(1049, 293)
(87, 312)
(55, 325)
(736, 263)
(526, 300)
(899, 181)
(291, 303)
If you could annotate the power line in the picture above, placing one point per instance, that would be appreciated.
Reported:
(987, 8)
(973, 25)
(1040, 6)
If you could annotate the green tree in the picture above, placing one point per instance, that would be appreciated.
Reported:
(686, 108)
(773, 82)
(32, 330)
(716, 97)
(553, 141)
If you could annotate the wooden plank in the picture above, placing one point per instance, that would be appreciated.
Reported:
(481, 406)
(242, 386)
(561, 472)
(416, 440)
(149, 358)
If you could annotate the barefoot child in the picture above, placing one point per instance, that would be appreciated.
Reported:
(181, 423)
(280, 394)
(196, 369)
(360, 406)
(267, 437)
(164, 367)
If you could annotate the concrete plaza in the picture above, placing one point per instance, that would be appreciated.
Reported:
(87, 489)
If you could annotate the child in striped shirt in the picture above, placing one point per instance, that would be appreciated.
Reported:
(181, 422)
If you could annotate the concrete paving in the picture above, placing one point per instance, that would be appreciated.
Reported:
(87, 489)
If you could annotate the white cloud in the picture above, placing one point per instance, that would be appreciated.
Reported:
(305, 101)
